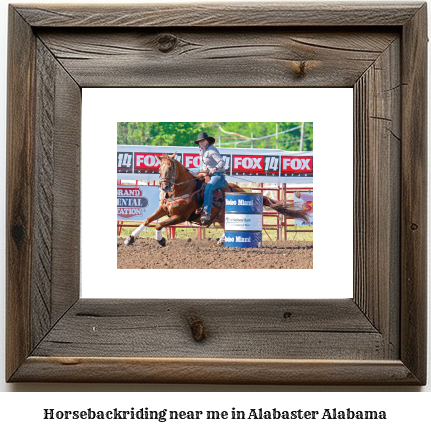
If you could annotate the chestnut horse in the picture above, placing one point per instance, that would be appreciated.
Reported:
(178, 190)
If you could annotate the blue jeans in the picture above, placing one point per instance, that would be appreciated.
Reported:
(217, 181)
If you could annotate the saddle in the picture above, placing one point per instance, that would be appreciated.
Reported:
(218, 198)
(218, 195)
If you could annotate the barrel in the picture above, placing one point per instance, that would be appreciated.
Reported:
(243, 220)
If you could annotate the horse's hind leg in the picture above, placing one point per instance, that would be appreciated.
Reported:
(220, 242)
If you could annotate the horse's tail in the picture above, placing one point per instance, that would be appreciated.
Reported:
(286, 208)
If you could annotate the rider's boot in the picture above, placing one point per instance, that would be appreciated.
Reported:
(205, 218)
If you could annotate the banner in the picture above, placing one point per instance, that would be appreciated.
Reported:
(136, 202)
(135, 162)
(306, 201)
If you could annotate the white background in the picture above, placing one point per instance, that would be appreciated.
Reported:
(330, 110)
(406, 409)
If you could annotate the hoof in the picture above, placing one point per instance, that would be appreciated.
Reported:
(129, 240)
(162, 242)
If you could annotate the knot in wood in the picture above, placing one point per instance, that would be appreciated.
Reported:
(18, 233)
(167, 42)
(414, 226)
(300, 69)
(197, 328)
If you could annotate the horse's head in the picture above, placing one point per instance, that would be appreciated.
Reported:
(168, 172)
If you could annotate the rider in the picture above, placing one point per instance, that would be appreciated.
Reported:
(212, 164)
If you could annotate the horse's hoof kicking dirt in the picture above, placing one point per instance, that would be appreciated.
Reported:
(129, 240)
(162, 242)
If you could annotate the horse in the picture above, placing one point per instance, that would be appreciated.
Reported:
(178, 200)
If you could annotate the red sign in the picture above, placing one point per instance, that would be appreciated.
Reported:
(147, 161)
(248, 164)
(296, 165)
(191, 161)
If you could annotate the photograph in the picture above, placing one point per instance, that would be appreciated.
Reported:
(223, 190)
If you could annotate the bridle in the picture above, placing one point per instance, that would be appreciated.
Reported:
(170, 180)
(173, 175)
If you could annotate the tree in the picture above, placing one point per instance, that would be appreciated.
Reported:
(231, 134)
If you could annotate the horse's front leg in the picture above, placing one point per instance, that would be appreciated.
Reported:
(173, 220)
(160, 212)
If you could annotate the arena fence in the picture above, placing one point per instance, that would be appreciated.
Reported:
(278, 222)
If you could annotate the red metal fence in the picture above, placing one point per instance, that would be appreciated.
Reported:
(279, 224)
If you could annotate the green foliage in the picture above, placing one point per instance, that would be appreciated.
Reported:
(228, 134)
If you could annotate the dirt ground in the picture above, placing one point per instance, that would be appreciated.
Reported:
(146, 253)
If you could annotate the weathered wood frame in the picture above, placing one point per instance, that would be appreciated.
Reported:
(378, 337)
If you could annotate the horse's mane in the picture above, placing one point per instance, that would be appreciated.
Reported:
(184, 169)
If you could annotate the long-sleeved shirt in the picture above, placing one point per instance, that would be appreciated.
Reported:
(211, 158)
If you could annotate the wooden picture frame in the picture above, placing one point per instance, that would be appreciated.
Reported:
(376, 338)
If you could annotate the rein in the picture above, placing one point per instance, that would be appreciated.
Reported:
(171, 199)
(170, 181)
(178, 184)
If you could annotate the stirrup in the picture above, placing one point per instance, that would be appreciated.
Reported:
(205, 218)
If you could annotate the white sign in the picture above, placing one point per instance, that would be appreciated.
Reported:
(136, 202)
(247, 222)
(306, 202)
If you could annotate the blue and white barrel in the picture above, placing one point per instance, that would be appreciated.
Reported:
(243, 220)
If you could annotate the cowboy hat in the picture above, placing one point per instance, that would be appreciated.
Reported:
(203, 136)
